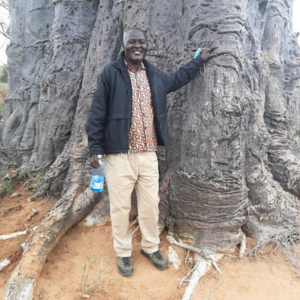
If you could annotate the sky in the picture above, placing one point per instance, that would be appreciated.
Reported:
(296, 17)
(4, 42)
(4, 15)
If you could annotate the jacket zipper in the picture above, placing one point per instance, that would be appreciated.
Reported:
(130, 108)
(157, 106)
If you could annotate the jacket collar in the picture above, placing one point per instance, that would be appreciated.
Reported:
(119, 63)
(142, 66)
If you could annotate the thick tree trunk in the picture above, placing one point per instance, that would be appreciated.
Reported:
(233, 160)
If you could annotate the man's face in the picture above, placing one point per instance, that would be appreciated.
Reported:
(135, 45)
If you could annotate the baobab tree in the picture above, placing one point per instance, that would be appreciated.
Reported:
(232, 166)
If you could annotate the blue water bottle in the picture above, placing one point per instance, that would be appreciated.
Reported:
(97, 181)
(198, 52)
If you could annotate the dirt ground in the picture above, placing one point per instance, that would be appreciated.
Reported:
(84, 258)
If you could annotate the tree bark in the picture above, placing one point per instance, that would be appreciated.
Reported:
(233, 160)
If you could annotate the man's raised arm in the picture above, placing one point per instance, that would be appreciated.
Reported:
(186, 73)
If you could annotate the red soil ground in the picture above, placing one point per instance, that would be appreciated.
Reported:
(268, 278)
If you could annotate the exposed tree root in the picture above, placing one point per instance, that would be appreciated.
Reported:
(67, 211)
(34, 212)
(285, 239)
(201, 266)
(187, 275)
(203, 263)
(206, 254)
(213, 259)
(172, 240)
(243, 246)
(4, 264)
(5, 211)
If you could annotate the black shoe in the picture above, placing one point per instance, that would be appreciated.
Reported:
(157, 259)
(125, 266)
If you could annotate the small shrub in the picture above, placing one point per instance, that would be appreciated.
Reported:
(33, 182)
(2, 108)
(5, 182)
(3, 89)
(3, 93)
(177, 236)
(3, 74)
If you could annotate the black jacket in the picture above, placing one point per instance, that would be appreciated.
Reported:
(110, 113)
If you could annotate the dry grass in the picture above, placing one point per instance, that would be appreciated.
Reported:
(5, 181)
(90, 267)
(32, 182)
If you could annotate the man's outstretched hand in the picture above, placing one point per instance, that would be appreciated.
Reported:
(206, 51)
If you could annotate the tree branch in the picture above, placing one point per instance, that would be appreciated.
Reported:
(4, 4)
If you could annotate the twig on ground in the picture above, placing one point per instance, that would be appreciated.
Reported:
(186, 267)
(34, 212)
(187, 275)
(36, 221)
(14, 195)
(187, 256)
(214, 289)
(135, 230)
(135, 221)
(186, 280)
(12, 235)
(235, 256)
(213, 258)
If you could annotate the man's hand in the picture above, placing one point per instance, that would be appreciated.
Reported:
(95, 162)
(206, 51)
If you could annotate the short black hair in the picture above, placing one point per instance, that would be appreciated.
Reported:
(135, 28)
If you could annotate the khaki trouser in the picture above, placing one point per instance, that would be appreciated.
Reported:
(123, 173)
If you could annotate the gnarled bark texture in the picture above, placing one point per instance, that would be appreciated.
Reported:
(233, 162)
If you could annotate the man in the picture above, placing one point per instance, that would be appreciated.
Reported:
(127, 121)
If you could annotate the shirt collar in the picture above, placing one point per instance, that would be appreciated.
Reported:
(142, 66)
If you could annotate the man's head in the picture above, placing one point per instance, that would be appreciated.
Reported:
(135, 45)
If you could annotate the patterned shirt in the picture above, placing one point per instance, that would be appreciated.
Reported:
(142, 134)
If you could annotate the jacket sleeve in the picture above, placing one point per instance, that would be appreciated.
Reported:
(97, 116)
(184, 75)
